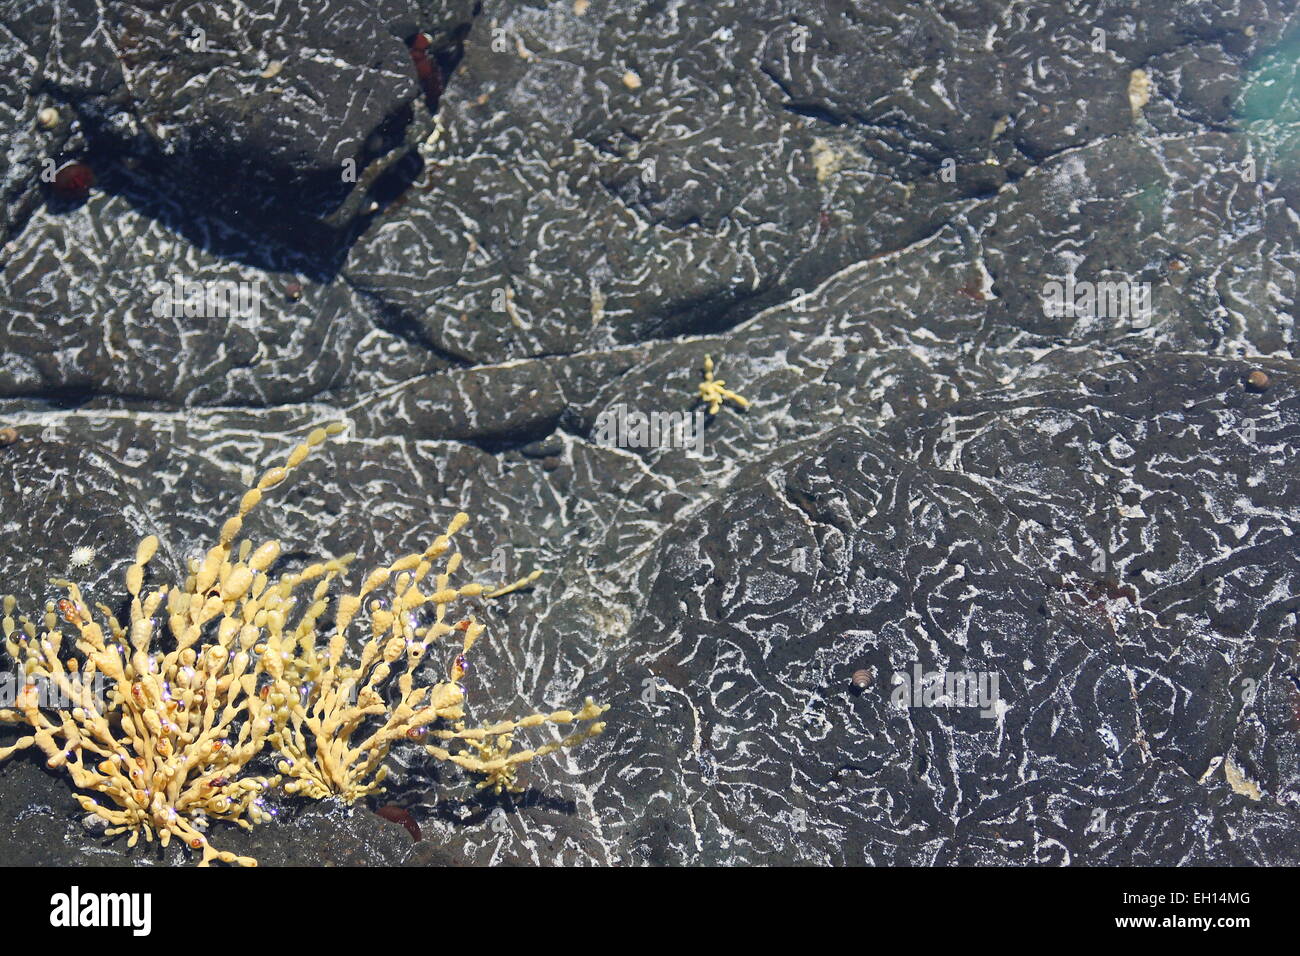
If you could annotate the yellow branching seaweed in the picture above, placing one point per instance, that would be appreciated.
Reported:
(162, 718)
(337, 701)
(166, 746)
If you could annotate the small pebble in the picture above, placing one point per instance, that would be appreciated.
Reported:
(1257, 380)
(48, 118)
(862, 679)
(293, 291)
(631, 80)
(272, 69)
(8, 436)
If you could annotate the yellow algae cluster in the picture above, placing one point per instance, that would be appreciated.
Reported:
(218, 691)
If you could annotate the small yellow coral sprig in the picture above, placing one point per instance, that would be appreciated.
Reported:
(713, 391)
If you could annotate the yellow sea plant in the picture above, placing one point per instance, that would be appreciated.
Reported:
(162, 719)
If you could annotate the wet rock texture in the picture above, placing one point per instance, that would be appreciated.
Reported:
(855, 209)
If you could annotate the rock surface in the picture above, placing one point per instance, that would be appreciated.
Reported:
(856, 209)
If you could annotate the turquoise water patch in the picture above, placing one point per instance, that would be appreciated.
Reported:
(1269, 107)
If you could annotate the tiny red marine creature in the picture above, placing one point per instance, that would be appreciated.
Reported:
(426, 68)
(395, 814)
(72, 181)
